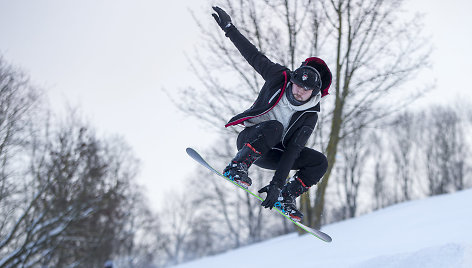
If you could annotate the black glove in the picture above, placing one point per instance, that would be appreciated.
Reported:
(273, 193)
(223, 19)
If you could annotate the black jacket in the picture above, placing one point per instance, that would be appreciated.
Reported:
(276, 78)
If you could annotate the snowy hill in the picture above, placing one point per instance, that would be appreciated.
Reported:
(430, 233)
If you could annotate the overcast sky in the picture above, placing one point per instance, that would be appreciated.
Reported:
(113, 57)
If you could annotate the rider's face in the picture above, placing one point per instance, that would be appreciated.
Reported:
(300, 93)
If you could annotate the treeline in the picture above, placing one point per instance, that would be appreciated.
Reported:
(414, 154)
(68, 197)
(417, 154)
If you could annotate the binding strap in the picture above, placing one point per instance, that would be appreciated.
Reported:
(252, 148)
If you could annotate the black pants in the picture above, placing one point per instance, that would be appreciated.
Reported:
(311, 164)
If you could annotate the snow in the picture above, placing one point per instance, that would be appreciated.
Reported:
(435, 232)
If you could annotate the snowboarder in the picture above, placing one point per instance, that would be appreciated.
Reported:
(278, 124)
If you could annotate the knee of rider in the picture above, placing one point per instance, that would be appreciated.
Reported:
(314, 176)
(273, 130)
(275, 127)
(324, 164)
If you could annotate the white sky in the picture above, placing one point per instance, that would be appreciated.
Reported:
(113, 57)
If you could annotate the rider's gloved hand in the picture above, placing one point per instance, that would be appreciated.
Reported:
(273, 193)
(222, 18)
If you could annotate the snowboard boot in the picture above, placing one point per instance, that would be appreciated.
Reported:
(237, 170)
(286, 202)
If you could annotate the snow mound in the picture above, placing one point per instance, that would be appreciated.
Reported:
(435, 232)
(449, 255)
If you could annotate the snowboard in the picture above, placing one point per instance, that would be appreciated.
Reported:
(317, 233)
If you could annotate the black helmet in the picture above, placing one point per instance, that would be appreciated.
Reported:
(308, 78)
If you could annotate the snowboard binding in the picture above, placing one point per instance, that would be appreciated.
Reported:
(289, 210)
(287, 198)
(237, 172)
(237, 169)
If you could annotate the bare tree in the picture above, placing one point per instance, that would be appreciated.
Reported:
(65, 194)
(76, 205)
(381, 195)
(371, 49)
(375, 54)
(402, 136)
(444, 150)
(141, 248)
(18, 101)
(354, 153)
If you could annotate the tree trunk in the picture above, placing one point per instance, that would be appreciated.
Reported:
(323, 184)
(334, 138)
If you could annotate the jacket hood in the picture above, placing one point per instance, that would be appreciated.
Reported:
(324, 71)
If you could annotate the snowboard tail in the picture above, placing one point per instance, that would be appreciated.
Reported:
(317, 233)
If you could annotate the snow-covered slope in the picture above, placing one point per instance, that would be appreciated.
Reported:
(433, 233)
